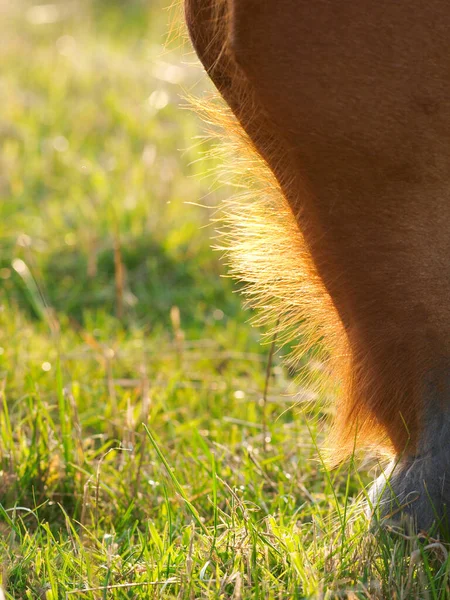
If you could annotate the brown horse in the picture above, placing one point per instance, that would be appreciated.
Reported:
(347, 103)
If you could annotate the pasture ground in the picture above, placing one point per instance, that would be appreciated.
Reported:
(114, 314)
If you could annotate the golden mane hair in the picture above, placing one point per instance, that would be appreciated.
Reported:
(263, 239)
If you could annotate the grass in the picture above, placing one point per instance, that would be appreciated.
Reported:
(139, 458)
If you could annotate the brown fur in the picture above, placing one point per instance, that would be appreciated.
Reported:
(274, 244)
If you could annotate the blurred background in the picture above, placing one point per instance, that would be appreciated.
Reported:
(100, 167)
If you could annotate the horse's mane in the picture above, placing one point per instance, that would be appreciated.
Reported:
(265, 247)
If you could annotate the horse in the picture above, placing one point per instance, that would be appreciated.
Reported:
(346, 109)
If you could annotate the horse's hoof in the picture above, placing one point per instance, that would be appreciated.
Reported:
(414, 494)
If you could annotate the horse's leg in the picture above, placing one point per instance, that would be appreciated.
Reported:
(357, 96)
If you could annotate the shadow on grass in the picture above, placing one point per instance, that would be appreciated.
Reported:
(140, 282)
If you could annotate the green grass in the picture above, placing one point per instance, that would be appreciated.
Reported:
(138, 458)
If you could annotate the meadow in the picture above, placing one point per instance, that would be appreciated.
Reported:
(150, 444)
